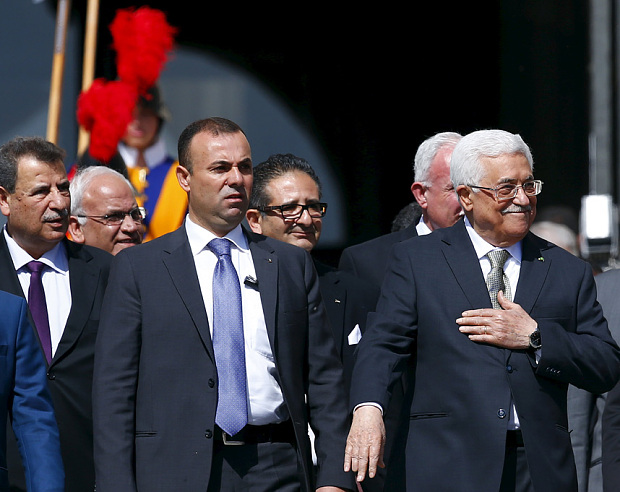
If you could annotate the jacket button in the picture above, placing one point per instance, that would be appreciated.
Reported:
(211, 383)
(501, 413)
(509, 368)
(51, 376)
(208, 434)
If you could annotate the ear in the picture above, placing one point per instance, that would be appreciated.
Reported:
(5, 201)
(75, 230)
(419, 190)
(254, 219)
(183, 177)
(465, 197)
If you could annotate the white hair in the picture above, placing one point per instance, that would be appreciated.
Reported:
(466, 166)
(80, 183)
(427, 151)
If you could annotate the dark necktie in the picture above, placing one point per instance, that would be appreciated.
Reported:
(497, 279)
(38, 307)
(228, 342)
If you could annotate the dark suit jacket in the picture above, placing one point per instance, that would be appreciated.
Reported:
(369, 260)
(348, 301)
(462, 390)
(608, 284)
(25, 397)
(155, 384)
(69, 375)
(585, 409)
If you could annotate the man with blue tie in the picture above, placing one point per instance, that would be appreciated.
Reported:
(214, 351)
(496, 344)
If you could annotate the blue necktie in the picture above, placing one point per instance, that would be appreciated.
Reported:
(38, 307)
(228, 342)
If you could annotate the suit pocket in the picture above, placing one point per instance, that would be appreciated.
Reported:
(146, 434)
(428, 415)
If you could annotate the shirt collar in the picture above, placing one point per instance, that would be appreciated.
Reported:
(199, 237)
(421, 228)
(153, 156)
(55, 258)
(482, 247)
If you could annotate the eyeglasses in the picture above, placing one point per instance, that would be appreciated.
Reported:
(509, 191)
(137, 214)
(295, 210)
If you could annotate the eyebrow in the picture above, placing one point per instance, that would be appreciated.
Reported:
(512, 180)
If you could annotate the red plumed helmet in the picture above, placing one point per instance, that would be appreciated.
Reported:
(142, 39)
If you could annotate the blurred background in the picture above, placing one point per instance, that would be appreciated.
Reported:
(355, 90)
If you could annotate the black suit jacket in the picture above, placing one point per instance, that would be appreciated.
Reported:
(69, 374)
(348, 301)
(155, 384)
(463, 390)
(369, 260)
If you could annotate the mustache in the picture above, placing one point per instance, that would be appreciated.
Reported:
(512, 209)
(52, 217)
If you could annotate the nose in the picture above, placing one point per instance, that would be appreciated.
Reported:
(59, 200)
(305, 218)
(234, 177)
(521, 198)
(129, 225)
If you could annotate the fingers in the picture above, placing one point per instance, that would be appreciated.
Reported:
(364, 448)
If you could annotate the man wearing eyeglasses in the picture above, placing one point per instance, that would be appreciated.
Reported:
(286, 205)
(104, 211)
(501, 321)
(64, 284)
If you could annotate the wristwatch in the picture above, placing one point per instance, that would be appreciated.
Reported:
(535, 342)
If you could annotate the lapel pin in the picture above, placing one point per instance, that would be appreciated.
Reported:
(540, 258)
(337, 301)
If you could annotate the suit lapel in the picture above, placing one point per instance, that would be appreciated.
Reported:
(84, 280)
(534, 269)
(266, 266)
(462, 260)
(179, 262)
(8, 276)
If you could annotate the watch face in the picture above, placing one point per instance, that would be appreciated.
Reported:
(535, 340)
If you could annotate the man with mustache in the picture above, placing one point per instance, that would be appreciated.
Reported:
(286, 205)
(104, 211)
(64, 284)
(500, 321)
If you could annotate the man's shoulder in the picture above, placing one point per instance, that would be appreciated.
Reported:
(381, 243)
(87, 253)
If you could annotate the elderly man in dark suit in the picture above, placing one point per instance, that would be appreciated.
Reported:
(433, 192)
(215, 351)
(500, 321)
(64, 283)
(26, 402)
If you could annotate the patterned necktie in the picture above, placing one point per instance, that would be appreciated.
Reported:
(228, 342)
(38, 307)
(497, 279)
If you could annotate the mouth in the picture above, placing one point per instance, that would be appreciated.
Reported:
(516, 209)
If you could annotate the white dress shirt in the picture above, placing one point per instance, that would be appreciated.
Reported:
(512, 268)
(55, 280)
(153, 156)
(265, 400)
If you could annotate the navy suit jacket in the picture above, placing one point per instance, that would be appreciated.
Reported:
(155, 383)
(26, 400)
(463, 390)
(369, 260)
(69, 375)
(348, 301)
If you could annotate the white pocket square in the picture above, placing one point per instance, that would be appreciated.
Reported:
(355, 336)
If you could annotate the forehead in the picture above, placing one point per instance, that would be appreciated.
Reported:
(292, 186)
(506, 167)
(207, 148)
(106, 188)
(31, 171)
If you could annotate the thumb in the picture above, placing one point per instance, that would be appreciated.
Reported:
(503, 300)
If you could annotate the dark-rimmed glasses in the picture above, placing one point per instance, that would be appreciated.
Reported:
(296, 210)
(509, 191)
(137, 214)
